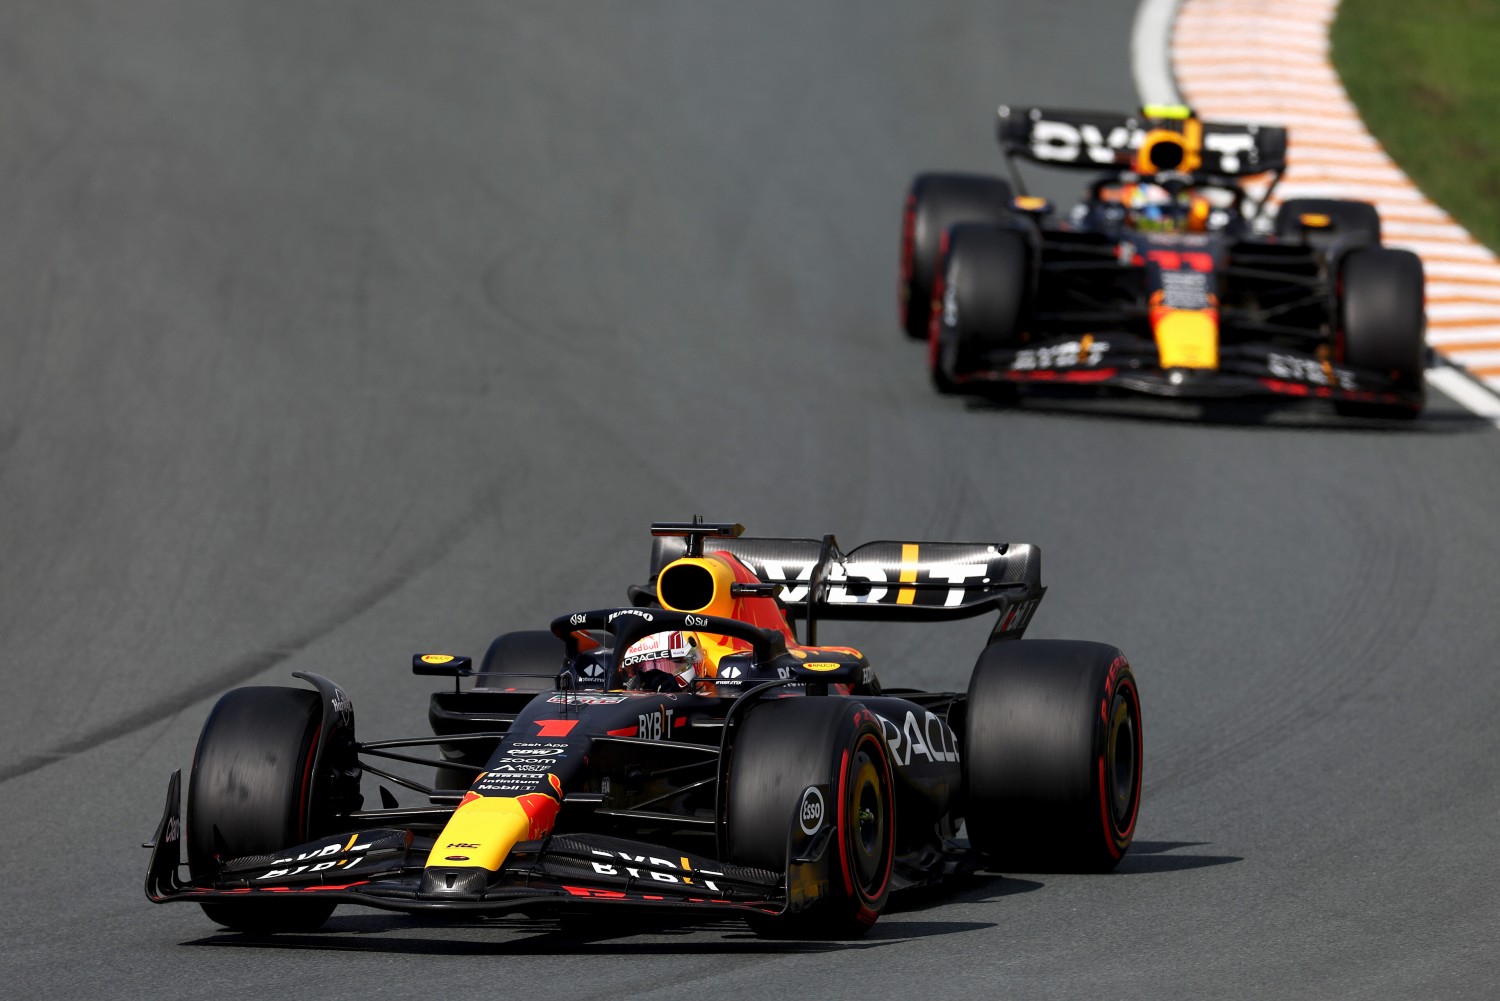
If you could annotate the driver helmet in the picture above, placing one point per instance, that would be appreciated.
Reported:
(1153, 207)
(668, 660)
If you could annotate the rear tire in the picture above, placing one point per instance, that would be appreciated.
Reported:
(1052, 755)
(1384, 323)
(981, 297)
(249, 795)
(785, 746)
(1352, 223)
(933, 203)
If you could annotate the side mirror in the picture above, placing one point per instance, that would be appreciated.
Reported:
(1031, 205)
(827, 672)
(442, 665)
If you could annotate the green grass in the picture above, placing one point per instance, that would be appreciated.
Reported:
(1426, 77)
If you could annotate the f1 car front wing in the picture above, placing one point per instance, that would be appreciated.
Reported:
(1130, 362)
(384, 868)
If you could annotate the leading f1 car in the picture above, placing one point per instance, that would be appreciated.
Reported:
(696, 751)
(1169, 278)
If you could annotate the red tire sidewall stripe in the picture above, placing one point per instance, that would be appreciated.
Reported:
(935, 308)
(1116, 843)
(890, 811)
(302, 795)
(844, 844)
(1140, 757)
(908, 254)
(866, 914)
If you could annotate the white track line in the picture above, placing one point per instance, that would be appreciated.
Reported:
(1460, 387)
(1149, 44)
(1276, 70)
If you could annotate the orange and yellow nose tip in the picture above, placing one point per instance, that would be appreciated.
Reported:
(484, 829)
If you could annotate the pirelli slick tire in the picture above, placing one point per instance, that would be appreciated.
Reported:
(1052, 756)
(933, 203)
(981, 298)
(249, 794)
(787, 752)
(1349, 222)
(1381, 303)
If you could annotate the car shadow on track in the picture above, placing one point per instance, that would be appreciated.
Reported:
(1156, 856)
(636, 934)
(1143, 857)
(967, 888)
(616, 934)
(1248, 414)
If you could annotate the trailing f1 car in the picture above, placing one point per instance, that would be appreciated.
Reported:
(686, 752)
(1161, 280)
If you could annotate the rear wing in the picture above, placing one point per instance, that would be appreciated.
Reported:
(878, 581)
(1102, 140)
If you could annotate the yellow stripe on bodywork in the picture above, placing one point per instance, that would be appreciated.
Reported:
(492, 823)
(1192, 137)
(908, 574)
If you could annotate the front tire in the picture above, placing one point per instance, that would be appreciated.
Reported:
(1384, 323)
(786, 746)
(249, 794)
(980, 301)
(1052, 755)
(933, 203)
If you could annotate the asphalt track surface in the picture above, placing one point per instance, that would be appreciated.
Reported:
(339, 331)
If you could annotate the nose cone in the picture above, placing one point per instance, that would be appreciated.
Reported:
(466, 883)
(483, 830)
(1188, 338)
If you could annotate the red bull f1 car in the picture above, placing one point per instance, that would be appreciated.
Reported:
(1168, 278)
(697, 751)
